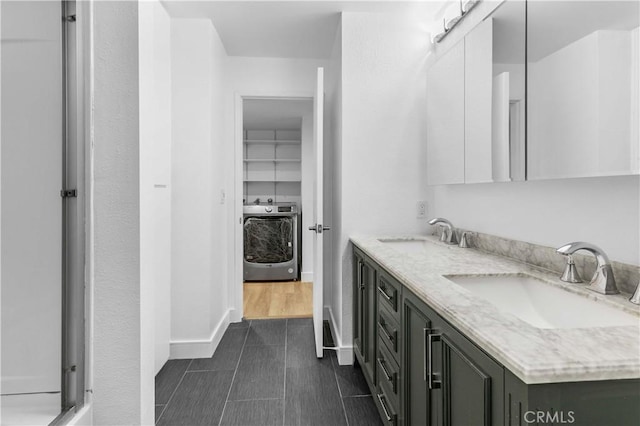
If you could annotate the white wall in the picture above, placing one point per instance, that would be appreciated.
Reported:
(382, 121)
(198, 269)
(603, 211)
(120, 389)
(31, 203)
(155, 171)
(219, 299)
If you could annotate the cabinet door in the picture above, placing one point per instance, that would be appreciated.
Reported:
(358, 304)
(416, 404)
(445, 118)
(471, 383)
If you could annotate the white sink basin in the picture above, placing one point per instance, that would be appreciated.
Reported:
(407, 246)
(543, 305)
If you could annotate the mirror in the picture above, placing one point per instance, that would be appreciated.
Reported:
(495, 96)
(582, 88)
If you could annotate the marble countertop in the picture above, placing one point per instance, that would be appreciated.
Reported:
(535, 355)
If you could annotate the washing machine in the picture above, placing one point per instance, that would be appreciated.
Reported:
(271, 243)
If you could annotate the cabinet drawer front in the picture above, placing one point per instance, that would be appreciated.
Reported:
(388, 374)
(388, 411)
(388, 333)
(389, 291)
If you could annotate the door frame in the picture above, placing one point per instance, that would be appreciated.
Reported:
(236, 291)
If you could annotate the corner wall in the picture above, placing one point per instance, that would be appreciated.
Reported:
(119, 385)
(383, 131)
(198, 293)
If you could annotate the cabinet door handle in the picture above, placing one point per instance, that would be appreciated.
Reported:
(384, 407)
(386, 333)
(360, 284)
(431, 337)
(384, 294)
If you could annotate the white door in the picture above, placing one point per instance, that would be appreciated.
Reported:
(318, 227)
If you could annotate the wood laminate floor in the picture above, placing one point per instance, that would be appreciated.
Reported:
(283, 299)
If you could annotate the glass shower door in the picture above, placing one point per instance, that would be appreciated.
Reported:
(34, 214)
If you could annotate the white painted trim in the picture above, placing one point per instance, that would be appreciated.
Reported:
(237, 275)
(187, 349)
(345, 353)
(306, 277)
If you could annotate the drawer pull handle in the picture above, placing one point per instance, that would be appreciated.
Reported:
(383, 404)
(431, 337)
(386, 333)
(385, 295)
(383, 367)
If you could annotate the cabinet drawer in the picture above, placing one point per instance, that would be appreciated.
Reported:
(389, 293)
(389, 334)
(388, 411)
(388, 375)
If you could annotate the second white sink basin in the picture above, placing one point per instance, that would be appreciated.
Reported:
(542, 305)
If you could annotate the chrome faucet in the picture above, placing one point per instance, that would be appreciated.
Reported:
(448, 233)
(602, 280)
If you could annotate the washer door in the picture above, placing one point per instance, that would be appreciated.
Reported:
(268, 239)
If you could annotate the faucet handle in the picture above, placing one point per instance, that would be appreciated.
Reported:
(464, 240)
(570, 274)
(636, 295)
(443, 233)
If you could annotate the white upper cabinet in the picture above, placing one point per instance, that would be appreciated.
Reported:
(582, 78)
(445, 118)
(476, 103)
(478, 68)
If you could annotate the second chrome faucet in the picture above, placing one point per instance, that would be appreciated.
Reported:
(602, 281)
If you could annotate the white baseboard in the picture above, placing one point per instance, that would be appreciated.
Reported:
(235, 315)
(344, 353)
(186, 349)
(306, 277)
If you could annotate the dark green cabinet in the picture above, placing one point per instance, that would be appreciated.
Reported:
(448, 380)
(364, 298)
(416, 395)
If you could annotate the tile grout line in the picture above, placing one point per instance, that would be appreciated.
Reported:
(284, 394)
(335, 376)
(174, 392)
(234, 374)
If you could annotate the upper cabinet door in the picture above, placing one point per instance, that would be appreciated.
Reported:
(582, 88)
(445, 118)
(495, 96)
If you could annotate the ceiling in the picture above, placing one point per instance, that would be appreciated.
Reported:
(274, 114)
(287, 29)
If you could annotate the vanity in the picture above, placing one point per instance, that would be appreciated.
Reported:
(454, 336)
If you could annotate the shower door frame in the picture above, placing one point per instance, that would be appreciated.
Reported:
(75, 82)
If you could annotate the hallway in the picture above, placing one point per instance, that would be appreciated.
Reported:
(264, 372)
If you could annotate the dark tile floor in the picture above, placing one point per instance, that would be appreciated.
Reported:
(264, 372)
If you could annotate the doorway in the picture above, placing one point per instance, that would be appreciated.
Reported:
(277, 157)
